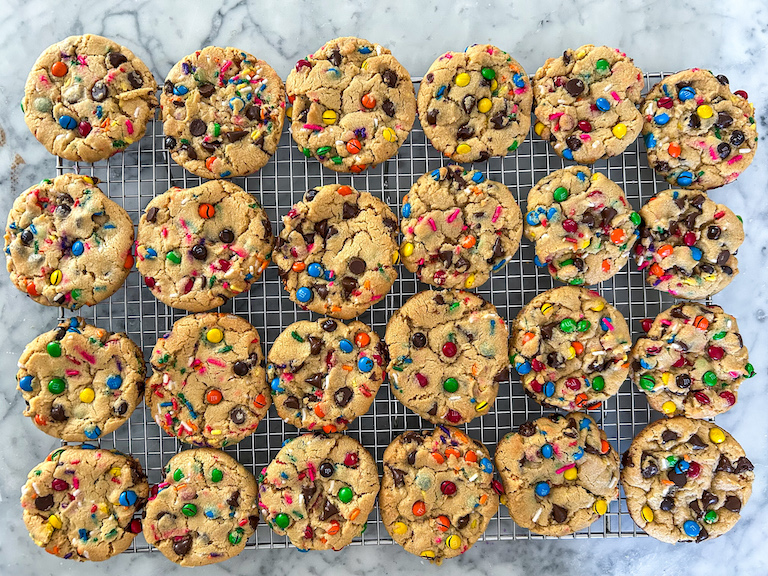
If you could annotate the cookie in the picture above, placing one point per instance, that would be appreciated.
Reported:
(687, 244)
(583, 227)
(223, 112)
(205, 509)
(697, 133)
(685, 480)
(208, 387)
(80, 382)
(447, 355)
(67, 244)
(570, 348)
(475, 104)
(691, 362)
(438, 493)
(559, 473)
(457, 227)
(80, 503)
(337, 251)
(198, 247)
(88, 98)
(352, 104)
(319, 491)
(586, 103)
(324, 373)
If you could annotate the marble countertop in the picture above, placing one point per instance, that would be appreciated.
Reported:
(727, 37)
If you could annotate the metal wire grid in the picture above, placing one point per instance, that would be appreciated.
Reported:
(146, 170)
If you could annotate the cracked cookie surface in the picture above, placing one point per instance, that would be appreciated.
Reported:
(67, 244)
(475, 104)
(438, 493)
(352, 104)
(87, 98)
(208, 387)
(582, 225)
(559, 473)
(447, 356)
(458, 227)
(685, 480)
(223, 112)
(319, 491)
(570, 348)
(80, 503)
(79, 381)
(337, 250)
(586, 103)
(697, 133)
(687, 243)
(691, 361)
(205, 509)
(198, 247)
(323, 374)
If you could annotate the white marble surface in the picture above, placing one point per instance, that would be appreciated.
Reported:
(729, 37)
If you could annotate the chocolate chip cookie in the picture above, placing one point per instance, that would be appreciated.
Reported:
(205, 509)
(438, 493)
(692, 361)
(223, 112)
(198, 247)
(687, 244)
(319, 491)
(570, 348)
(337, 251)
(559, 473)
(352, 104)
(475, 104)
(458, 227)
(79, 381)
(685, 480)
(67, 244)
(697, 133)
(582, 225)
(447, 355)
(80, 503)
(586, 103)
(208, 387)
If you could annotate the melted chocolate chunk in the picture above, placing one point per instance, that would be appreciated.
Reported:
(465, 132)
(648, 466)
(498, 120)
(152, 214)
(58, 414)
(502, 375)
(559, 514)
(732, 503)
(234, 499)
(349, 285)
(315, 345)
(329, 510)
(316, 380)
(468, 103)
(398, 476)
(206, 90)
(696, 442)
(357, 266)
(389, 78)
(343, 396)
(182, 544)
(389, 108)
(292, 402)
(680, 479)
(135, 79)
(527, 429)
(44, 502)
(737, 138)
(667, 504)
(574, 86)
(462, 522)
(669, 435)
(432, 116)
(235, 135)
(349, 211)
(708, 499)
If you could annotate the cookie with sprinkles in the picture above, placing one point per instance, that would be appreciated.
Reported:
(698, 134)
(352, 104)
(438, 493)
(223, 112)
(475, 104)
(319, 491)
(685, 480)
(691, 361)
(81, 503)
(208, 387)
(198, 247)
(67, 244)
(570, 348)
(559, 473)
(337, 251)
(447, 358)
(688, 244)
(586, 103)
(583, 227)
(88, 98)
(80, 382)
(458, 227)
(204, 510)
(323, 374)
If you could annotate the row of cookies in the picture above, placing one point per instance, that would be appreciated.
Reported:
(352, 105)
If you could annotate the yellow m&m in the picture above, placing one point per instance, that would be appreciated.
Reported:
(484, 105)
(704, 111)
(717, 436)
(87, 395)
(214, 335)
(453, 542)
(620, 130)
(668, 407)
(329, 117)
(407, 249)
(600, 507)
(463, 149)
(462, 79)
(647, 514)
(399, 528)
(571, 474)
(389, 135)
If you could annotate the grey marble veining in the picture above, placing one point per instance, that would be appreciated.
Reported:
(729, 37)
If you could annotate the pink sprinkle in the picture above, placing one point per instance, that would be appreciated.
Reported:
(43, 79)
(82, 60)
(216, 362)
(735, 159)
(226, 65)
(375, 297)
(311, 471)
(615, 96)
(432, 224)
(521, 90)
(313, 127)
(239, 251)
(71, 372)
(75, 483)
(164, 232)
(585, 137)
(311, 426)
(566, 467)
(734, 374)
(168, 419)
(87, 357)
(183, 224)
(287, 376)
(666, 322)
(453, 216)
(712, 153)
(496, 214)
(288, 499)
(556, 115)
(645, 264)
(410, 230)
(129, 126)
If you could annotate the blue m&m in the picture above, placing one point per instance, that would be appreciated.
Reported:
(128, 498)
(602, 104)
(542, 489)
(345, 345)
(303, 294)
(315, 270)
(114, 382)
(547, 451)
(406, 210)
(67, 122)
(365, 364)
(26, 383)
(77, 248)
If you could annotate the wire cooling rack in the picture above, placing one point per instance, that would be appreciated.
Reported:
(145, 170)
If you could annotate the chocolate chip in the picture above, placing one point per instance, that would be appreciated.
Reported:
(357, 266)
(241, 368)
(191, 154)
(432, 116)
(694, 121)
(411, 457)
(462, 522)
(662, 167)
(197, 127)
(211, 146)
(574, 86)
(697, 200)
(390, 78)
(679, 478)
(554, 359)
(234, 499)
(206, 90)
(329, 510)
(199, 252)
(694, 506)
(349, 211)
(121, 408)
(502, 375)
(468, 103)
(732, 503)
(315, 345)
(527, 429)
(708, 499)
(579, 264)
(432, 411)
(349, 284)
(135, 79)
(737, 138)
(608, 214)
(703, 535)
(114, 59)
(727, 270)
(573, 142)
(398, 476)
(713, 232)
(723, 150)
(326, 469)
(335, 57)
(626, 460)
(182, 545)
(743, 465)
(439, 300)
(235, 135)
(267, 226)
(44, 502)
(329, 325)
(723, 257)
(667, 504)
(696, 442)
(253, 112)
(57, 413)
(498, 120)
(559, 514)
(343, 396)
(237, 415)
(723, 120)
(389, 108)
(462, 263)
(316, 380)
(677, 312)
(227, 236)
(62, 211)
(419, 340)
(292, 402)
(308, 492)
(723, 79)
(465, 132)
(648, 466)
(27, 237)
(168, 87)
